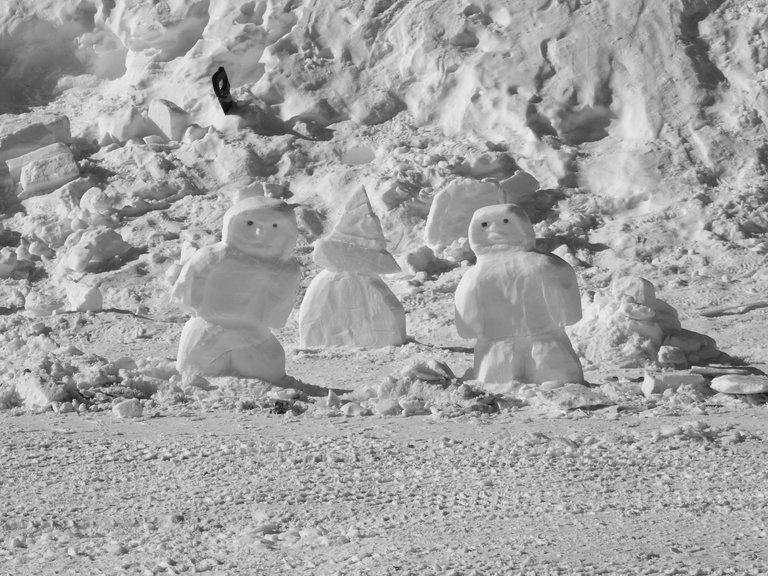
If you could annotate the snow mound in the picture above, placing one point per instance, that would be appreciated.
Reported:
(629, 326)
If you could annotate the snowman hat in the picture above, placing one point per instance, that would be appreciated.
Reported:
(357, 236)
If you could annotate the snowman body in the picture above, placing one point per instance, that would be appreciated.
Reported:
(517, 301)
(350, 309)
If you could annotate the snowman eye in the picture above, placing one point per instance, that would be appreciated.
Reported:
(250, 222)
(274, 225)
(506, 220)
(484, 224)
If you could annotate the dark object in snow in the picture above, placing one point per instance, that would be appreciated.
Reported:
(221, 89)
(280, 407)
(257, 116)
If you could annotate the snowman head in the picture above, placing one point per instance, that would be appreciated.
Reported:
(261, 227)
(501, 228)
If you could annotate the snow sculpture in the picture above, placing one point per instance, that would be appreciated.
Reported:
(238, 289)
(347, 304)
(516, 301)
(628, 326)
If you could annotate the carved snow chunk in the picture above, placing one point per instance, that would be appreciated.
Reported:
(236, 290)
(171, 119)
(357, 242)
(350, 309)
(16, 164)
(738, 384)
(47, 174)
(516, 301)
(20, 134)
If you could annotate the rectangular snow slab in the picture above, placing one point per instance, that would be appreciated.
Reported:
(24, 133)
(16, 164)
(47, 174)
(169, 118)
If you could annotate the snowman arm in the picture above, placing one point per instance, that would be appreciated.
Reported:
(466, 310)
(572, 297)
(282, 296)
(565, 279)
(189, 286)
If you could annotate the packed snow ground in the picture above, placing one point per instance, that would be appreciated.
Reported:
(645, 126)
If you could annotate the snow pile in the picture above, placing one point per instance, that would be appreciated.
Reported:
(629, 327)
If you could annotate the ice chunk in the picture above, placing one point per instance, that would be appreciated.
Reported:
(46, 174)
(516, 302)
(169, 118)
(20, 134)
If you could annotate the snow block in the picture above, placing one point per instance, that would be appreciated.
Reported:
(658, 383)
(518, 187)
(452, 209)
(737, 384)
(20, 134)
(84, 298)
(16, 164)
(47, 174)
(169, 118)
(128, 409)
(123, 125)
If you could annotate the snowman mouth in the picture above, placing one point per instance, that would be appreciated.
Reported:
(497, 237)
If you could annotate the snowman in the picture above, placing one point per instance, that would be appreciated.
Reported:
(237, 290)
(516, 301)
(348, 304)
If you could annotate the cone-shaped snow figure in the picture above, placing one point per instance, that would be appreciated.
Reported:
(516, 301)
(347, 304)
(237, 290)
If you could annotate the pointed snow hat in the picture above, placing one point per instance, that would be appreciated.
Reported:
(357, 242)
